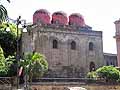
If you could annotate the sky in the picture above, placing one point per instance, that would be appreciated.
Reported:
(99, 14)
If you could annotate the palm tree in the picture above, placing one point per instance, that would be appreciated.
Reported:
(35, 65)
(8, 1)
(3, 13)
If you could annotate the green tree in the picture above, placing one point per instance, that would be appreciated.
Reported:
(40, 65)
(35, 65)
(8, 39)
(11, 66)
(1, 54)
(109, 73)
(3, 68)
(6, 65)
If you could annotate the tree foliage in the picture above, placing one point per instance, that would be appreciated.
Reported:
(3, 14)
(11, 66)
(8, 39)
(3, 69)
(6, 65)
(35, 65)
(12, 26)
(109, 73)
(8, 44)
(92, 75)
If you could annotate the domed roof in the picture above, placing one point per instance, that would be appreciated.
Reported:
(41, 16)
(60, 13)
(59, 18)
(42, 11)
(76, 15)
(76, 19)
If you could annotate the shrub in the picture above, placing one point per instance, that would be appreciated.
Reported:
(92, 75)
(109, 73)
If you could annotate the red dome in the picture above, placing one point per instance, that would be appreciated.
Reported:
(76, 19)
(59, 18)
(41, 16)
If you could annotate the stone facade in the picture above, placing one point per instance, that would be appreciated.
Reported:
(110, 59)
(63, 60)
(71, 51)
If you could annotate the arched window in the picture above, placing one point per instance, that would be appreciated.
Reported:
(92, 66)
(73, 45)
(91, 46)
(55, 44)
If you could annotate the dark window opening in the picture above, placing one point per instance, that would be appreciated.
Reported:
(73, 45)
(91, 46)
(55, 44)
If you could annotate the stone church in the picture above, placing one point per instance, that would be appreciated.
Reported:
(70, 46)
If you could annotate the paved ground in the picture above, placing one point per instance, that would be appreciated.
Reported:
(76, 88)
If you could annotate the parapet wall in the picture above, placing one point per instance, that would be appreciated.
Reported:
(64, 87)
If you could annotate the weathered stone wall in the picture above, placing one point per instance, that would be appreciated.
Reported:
(64, 62)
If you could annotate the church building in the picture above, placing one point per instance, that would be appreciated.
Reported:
(71, 47)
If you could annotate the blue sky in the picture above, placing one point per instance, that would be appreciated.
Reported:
(99, 14)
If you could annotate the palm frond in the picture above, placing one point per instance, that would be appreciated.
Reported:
(3, 13)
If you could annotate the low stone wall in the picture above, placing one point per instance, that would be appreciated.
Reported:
(102, 87)
(64, 87)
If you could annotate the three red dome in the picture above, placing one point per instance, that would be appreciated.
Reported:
(60, 18)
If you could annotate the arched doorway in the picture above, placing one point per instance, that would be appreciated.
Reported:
(92, 66)
(73, 45)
